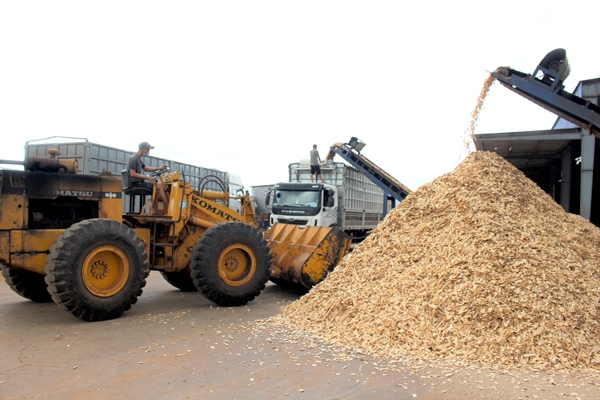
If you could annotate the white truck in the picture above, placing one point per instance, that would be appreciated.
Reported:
(355, 197)
(348, 199)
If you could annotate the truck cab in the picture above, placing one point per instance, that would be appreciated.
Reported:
(305, 204)
(348, 199)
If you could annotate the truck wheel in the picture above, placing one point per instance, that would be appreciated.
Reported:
(182, 280)
(231, 263)
(96, 269)
(27, 284)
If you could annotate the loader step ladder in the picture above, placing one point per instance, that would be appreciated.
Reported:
(381, 178)
(154, 245)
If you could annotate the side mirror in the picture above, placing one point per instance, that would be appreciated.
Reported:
(330, 201)
(268, 197)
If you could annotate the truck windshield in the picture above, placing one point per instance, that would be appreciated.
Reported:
(290, 198)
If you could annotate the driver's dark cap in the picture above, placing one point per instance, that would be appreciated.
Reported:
(146, 145)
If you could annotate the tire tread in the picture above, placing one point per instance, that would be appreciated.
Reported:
(62, 281)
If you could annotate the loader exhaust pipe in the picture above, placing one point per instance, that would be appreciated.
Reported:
(47, 164)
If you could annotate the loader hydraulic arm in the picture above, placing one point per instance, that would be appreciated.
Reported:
(205, 207)
(211, 211)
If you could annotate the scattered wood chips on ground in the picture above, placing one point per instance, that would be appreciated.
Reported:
(478, 266)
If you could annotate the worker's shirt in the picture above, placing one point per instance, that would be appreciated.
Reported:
(135, 163)
(314, 157)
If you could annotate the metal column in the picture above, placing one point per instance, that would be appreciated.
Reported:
(566, 177)
(588, 148)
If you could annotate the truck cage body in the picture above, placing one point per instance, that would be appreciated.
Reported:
(360, 201)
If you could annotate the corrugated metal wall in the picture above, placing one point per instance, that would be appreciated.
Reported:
(95, 158)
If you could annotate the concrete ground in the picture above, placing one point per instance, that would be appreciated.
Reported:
(178, 345)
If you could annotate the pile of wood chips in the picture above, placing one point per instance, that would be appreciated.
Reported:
(478, 266)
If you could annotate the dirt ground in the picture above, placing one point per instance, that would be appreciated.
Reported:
(178, 345)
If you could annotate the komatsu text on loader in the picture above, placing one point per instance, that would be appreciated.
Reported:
(65, 238)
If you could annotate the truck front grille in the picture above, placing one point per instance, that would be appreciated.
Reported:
(295, 222)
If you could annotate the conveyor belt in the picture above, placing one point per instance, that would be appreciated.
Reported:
(552, 97)
(372, 171)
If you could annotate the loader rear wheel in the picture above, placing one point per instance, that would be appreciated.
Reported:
(27, 284)
(182, 280)
(96, 269)
(231, 263)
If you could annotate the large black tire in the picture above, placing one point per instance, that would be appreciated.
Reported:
(96, 269)
(231, 263)
(27, 284)
(182, 280)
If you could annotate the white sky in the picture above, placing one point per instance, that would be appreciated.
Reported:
(249, 86)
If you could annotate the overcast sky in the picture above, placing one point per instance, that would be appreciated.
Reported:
(249, 86)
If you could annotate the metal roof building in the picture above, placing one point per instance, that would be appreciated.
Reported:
(561, 160)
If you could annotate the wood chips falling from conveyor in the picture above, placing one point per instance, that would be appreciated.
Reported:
(468, 135)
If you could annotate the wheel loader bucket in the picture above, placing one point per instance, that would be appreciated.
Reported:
(304, 255)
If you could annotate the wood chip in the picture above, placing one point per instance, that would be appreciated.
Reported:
(478, 266)
(469, 133)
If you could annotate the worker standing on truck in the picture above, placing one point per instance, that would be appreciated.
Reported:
(315, 161)
(136, 166)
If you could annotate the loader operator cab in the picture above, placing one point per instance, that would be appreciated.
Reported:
(136, 193)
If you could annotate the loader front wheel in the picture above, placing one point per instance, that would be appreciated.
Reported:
(231, 263)
(182, 280)
(96, 269)
(27, 284)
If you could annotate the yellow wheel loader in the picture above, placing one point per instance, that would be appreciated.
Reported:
(65, 238)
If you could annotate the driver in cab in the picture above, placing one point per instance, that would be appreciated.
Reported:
(138, 179)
